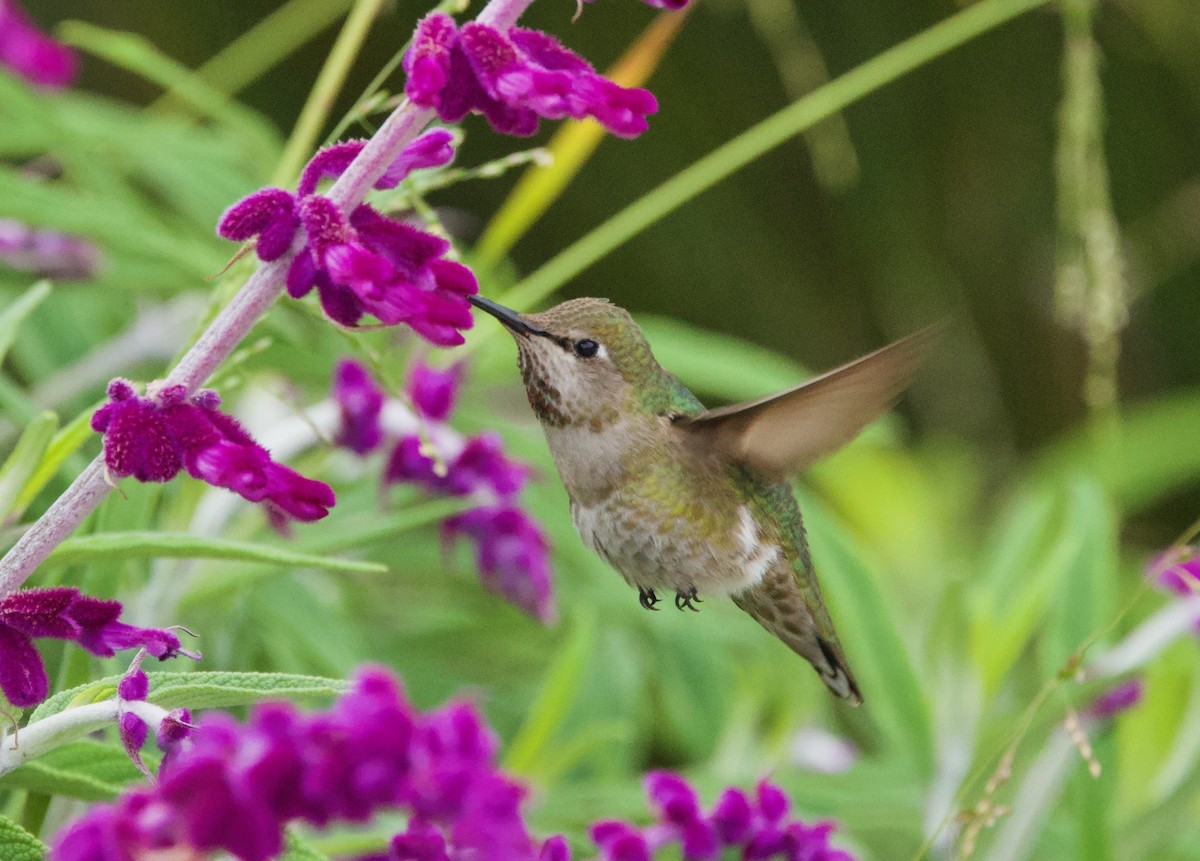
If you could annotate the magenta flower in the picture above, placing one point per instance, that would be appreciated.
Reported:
(361, 403)
(1177, 570)
(63, 613)
(365, 263)
(512, 78)
(758, 829)
(46, 253)
(34, 56)
(434, 391)
(1120, 697)
(237, 785)
(512, 555)
(152, 439)
(511, 552)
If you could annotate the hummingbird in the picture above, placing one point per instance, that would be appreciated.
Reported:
(682, 499)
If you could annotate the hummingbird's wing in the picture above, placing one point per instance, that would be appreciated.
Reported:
(784, 433)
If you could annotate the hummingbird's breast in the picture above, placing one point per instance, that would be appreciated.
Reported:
(662, 516)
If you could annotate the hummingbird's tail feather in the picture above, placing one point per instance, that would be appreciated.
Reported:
(777, 605)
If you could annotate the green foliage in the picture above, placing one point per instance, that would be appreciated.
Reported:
(17, 844)
(972, 576)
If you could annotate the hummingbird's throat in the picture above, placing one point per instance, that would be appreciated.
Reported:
(568, 404)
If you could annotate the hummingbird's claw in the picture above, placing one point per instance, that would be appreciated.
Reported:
(648, 598)
(683, 600)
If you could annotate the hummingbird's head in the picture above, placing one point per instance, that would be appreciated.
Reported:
(584, 362)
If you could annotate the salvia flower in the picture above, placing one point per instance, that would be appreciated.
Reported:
(513, 77)
(1177, 570)
(235, 786)
(512, 553)
(46, 253)
(65, 614)
(363, 263)
(757, 828)
(153, 438)
(1120, 697)
(31, 54)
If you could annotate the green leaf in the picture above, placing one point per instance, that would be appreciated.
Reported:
(65, 443)
(14, 315)
(295, 848)
(879, 657)
(558, 691)
(86, 769)
(201, 690)
(17, 844)
(23, 463)
(181, 545)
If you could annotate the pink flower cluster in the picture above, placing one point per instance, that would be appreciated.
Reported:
(512, 554)
(234, 786)
(513, 77)
(365, 263)
(758, 828)
(153, 438)
(31, 54)
(63, 613)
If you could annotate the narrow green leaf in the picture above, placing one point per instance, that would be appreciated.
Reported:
(201, 690)
(17, 844)
(23, 463)
(14, 315)
(296, 848)
(181, 545)
(878, 655)
(558, 690)
(86, 769)
(65, 443)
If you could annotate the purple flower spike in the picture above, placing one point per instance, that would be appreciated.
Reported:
(512, 78)
(736, 827)
(63, 613)
(1177, 570)
(360, 401)
(152, 439)
(365, 263)
(1120, 697)
(433, 391)
(236, 786)
(512, 554)
(46, 252)
(35, 57)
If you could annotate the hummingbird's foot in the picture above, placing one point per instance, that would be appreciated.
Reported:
(648, 598)
(683, 600)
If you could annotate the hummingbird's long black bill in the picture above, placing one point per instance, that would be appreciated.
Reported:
(510, 318)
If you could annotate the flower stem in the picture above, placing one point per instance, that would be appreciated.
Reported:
(232, 325)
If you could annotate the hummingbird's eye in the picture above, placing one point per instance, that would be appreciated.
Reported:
(586, 348)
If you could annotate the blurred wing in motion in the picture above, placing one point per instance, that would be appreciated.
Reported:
(784, 433)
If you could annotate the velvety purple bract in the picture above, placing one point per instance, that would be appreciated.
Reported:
(512, 555)
(63, 613)
(360, 401)
(152, 439)
(512, 78)
(754, 831)
(365, 263)
(433, 391)
(237, 785)
(31, 54)
(1178, 572)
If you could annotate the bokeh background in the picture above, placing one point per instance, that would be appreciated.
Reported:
(970, 546)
